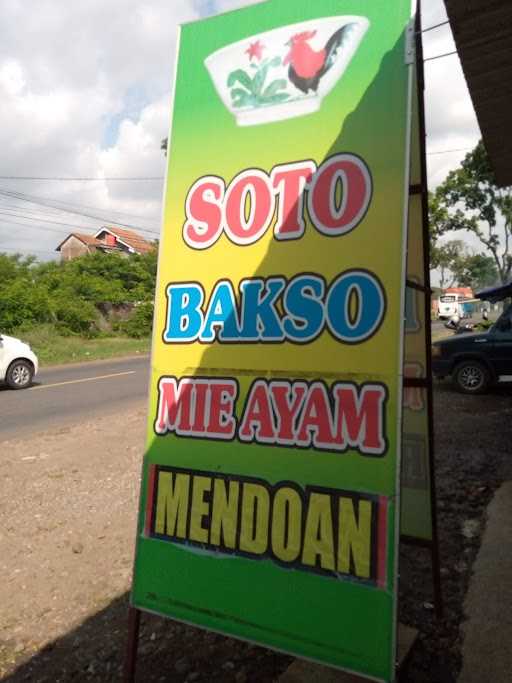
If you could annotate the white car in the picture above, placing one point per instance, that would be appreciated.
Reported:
(18, 363)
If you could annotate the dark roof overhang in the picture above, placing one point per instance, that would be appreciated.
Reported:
(483, 35)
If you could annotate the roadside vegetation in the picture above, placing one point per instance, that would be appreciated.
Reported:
(53, 348)
(96, 306)
(470, 201)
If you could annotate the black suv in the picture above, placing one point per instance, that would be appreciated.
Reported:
(475, 361)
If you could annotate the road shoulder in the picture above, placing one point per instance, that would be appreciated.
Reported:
(67, 526)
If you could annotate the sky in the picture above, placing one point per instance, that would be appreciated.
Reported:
(85, 93)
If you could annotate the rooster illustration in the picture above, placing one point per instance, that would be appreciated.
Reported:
(307, 66)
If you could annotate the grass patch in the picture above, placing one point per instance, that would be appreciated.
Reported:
(53, 348)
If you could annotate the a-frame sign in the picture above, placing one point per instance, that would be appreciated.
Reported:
(270, 496)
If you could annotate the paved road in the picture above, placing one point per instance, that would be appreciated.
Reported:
(64, 394)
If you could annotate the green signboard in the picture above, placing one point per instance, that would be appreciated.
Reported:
(270, 495)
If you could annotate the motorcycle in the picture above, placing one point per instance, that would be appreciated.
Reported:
(459, 327)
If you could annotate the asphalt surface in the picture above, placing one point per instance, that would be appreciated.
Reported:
(64, 394)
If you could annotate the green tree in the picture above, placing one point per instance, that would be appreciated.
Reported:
(23, 303)
(476, 271)
(14, 266)
(469, 199)
(445, 258)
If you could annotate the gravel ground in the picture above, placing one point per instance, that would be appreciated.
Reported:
(67, 520)
(473, 436)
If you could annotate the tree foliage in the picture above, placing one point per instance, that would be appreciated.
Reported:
(469, 199)
(458, 265)
(13, 265)
(70, 294)
(476, 270)
(446, 258)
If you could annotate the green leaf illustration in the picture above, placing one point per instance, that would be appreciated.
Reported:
(253, 92)
(259, 79)
(241, 98)
(242, 77)
(275, 87)
(239, 92)
(279, 97)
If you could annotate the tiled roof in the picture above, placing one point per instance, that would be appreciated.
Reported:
(129, 237)
(89, 240)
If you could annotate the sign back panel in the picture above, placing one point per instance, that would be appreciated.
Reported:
(269, 494)
(416, 507)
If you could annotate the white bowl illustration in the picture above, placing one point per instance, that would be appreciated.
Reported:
(286, 72)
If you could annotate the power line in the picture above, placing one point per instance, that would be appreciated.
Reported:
(69, 226)
(15, 208)
(73, 204)
(47, 211)
(19, 235)
(449, 151)
(431, 28)
(79, 179)
(37, 218)
(446, 54)
(55, 204)
(33, 217)
(22, 197)
(18, 205)
(59, 231)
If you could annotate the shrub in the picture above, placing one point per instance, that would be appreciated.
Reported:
(140, 323)
(71, 294)
(23, 302)
(76, 316)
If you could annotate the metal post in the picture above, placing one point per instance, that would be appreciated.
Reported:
(436, 567)
(132, 642)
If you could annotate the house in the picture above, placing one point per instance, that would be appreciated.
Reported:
(76, 244)
(106, 239)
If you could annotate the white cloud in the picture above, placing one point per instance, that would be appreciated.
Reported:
(450, 119)
(67, 71)
(12, 80)
(85, 86)
(228, 5)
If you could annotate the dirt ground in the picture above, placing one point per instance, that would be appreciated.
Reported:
(68, 501)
